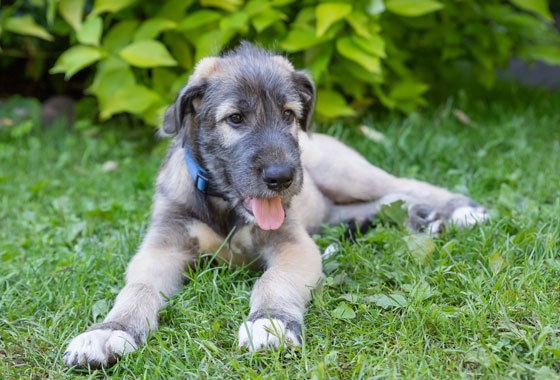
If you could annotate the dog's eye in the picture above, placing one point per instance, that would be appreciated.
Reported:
(235, 119)
(288, 115)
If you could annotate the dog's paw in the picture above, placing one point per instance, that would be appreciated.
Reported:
(465, 213)
(468, 216)
(268, 333)
(98, 348)
(424, 218)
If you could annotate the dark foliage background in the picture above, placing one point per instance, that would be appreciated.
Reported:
(133, 56)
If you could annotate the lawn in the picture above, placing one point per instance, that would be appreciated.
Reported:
(484, 305)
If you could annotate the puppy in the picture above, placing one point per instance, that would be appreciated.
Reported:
(243, 164)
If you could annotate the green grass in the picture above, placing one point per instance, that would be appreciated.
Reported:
(68, 229)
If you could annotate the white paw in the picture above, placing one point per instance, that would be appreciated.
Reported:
(468, 216)
(98, 348)
(266, 333)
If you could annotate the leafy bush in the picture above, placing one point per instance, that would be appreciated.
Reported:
(360, 53)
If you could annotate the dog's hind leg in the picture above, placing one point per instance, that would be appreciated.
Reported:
(153, 274)
(346, 177)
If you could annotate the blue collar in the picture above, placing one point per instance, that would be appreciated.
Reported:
(198, 174)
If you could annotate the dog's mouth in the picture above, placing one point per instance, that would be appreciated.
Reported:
(268, 212)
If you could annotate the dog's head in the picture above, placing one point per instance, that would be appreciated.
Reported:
(240, 115)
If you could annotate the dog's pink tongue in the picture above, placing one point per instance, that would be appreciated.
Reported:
(268, 212)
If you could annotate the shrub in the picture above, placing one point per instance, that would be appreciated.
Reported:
(360, 53)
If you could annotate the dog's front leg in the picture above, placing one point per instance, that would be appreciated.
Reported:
(153, 274)
(279, 297)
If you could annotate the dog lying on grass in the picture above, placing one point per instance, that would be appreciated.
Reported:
(243, 159)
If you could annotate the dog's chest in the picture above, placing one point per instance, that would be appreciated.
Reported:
(238, 249)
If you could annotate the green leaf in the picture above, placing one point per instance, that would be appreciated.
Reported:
(111, 6)
(112, 74)
(383, 98)
(375, 44)
(279, 3)
(266, 18)
(99, 308)
(421, 248)
(305, 18)
(90, 32)
(173, 10)
(75, 59)
(300, 39)
(22, 129)
(497, 263)
(344, 311)
(357, 71)
(199, 18)
(359, 22)
(228, 5)
(329, 13)
(180, 49)
(209, 345)
(351, 297)
(485, 75)
(413, 8)
(421, 291)
(527, 23)
(147, 53)
(27, 26)
(320, 60)
(51, 12)
(72, 11)
(234, 22)
(547, 53)
(254, 7)
(153, 115)
(151, 28)
(332, 104)
(350, 50)
(162, 80)
(395, 212)
(483, 56)
(408, 89)
(388, 301)
(539, 7)
(119, 35)
(555, 351)
(211, 43)
(132, 98)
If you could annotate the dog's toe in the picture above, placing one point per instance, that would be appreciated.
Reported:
(265, 333)
(461, 212)
(98, 348)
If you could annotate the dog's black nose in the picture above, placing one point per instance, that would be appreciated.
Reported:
(278, 176)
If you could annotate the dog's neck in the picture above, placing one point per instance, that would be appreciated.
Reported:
(199, 175)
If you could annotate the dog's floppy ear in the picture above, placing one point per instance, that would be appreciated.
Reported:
(306, 91)
(185, 104)
(188, 99)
